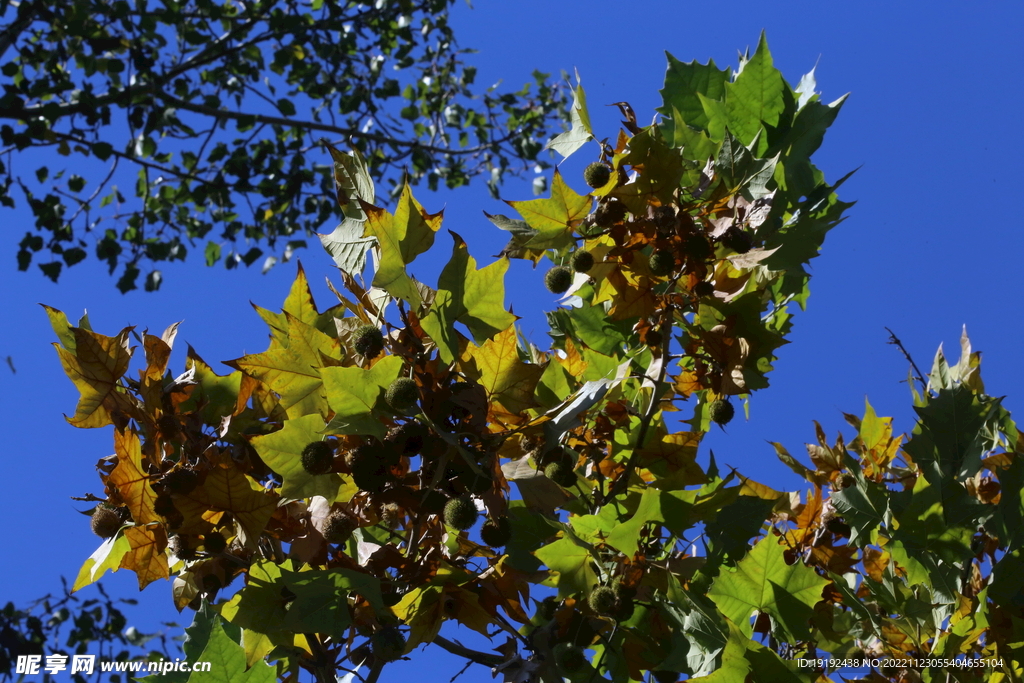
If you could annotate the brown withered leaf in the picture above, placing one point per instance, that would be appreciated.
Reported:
(146, 557)
(130, 478)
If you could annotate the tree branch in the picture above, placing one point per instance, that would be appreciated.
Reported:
(475, 656)
(895, 341)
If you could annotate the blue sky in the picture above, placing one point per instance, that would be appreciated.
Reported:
(931, 245)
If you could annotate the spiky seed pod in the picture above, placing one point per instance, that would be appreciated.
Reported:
(317, 458)
(663, 262)
(547, 608)
(105, 522)
(597, 174)
(697, 247)
(703, 288)
(602, 600)
(163, 505)
(738, 240)
(496, 532)
(582, 261)
(570, 658)
(665, 676)
(181, 481)
(368, 341)
(373, 479)
(338, 527)
(664, 218)
(609, 213)
(407, 439)
(460, 513)
(721, 411)
(654, 338)
(402, 394)
(390, 513)
(558, 279)
(624, 608)
(214, 542)
(432, 502)
(181, 548)
(561, 472)
(388, 644)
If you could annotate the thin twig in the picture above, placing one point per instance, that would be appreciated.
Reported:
(468, 664)
(475, 656)
(895, 341)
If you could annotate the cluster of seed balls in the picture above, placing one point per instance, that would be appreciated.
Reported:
(662, 262)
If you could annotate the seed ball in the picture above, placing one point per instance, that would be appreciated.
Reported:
(387, 644)
(214, 542)
(460, 513)
(738, 240)
(402, 394)
(663, 262)
(623, 609)
(432, 502)
(603, 600)
(338, 527)
(558, 279)
(496, 532)
(597, 174)
(609, 213)
(390, 514)
(654, 338)
(317, 458)
(181, 481)
(697, 247)
(721, 411)
(407, 439)
(570, 658)
(582, 261)
(474, 483)
(164, 506)
(561, 472)
(180, 547)
(368, 341)
(547, 608)
(105, 522)
(703, 289)
(665, 676)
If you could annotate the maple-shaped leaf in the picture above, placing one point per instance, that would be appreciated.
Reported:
(293, 371)
(631, 292)
(756, 95)
(228, 489)
(146, 554)
(401, 237)
(668, 507)
(282, 451)
(763, 582)
(95, 366)
(475, 298)
(262, 605)
(106, 558)
(572, 565)
(228, 662)
(215, 396)
(659, 169)
(422, 610)
(299, 304)
(556, 217)
(130, 479)
(321, 600)
(672, 459)
(497, 367)
(352, 394)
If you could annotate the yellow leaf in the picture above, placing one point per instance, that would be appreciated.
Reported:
(107, 557)
(556, 217)
(497, 367)
(130, 478)
(95, 366)
(147, 556)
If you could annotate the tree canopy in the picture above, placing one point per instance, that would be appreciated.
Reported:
(330, 503)
(180, 126)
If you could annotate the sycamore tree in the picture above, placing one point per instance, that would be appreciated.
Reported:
(406, 458)
(177, 126)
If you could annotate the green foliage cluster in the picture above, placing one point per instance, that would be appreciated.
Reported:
(700, 239)
(208, 112)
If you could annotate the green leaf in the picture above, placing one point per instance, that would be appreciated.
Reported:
(763, 582)
(321, 600)
(684, 82)
(475, 298)
(228, 665)
(756, 95)
(581, 133)
(669, 507)
(282, 452)
(950, 437)
(556, 217)
(572, 564)
(352, 394)
(262, 605)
